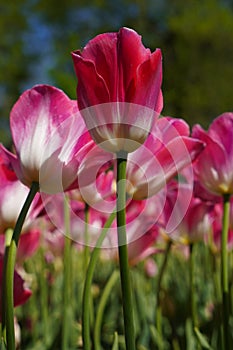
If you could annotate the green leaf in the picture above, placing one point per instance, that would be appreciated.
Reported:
(115, 342)
(2, 345)
(202, 339)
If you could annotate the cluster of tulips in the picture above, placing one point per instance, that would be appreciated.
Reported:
(127, 177)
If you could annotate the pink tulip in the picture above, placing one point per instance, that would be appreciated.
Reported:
(191, 225)
(100, 193)
(12, 196)
(143, 247)
(49, 136)
(201, 192)
(214, 166)
(119, 89)
(166, 152)
(142, 225)
(141, 219)
(21, 293)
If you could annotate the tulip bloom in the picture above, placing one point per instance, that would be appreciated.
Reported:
(49, 136)
(119, 89)
(190, 225)
(167, 150)
(12, 196)
(214, 166)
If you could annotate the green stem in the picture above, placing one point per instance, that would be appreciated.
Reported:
(195, 323)
(10, 264)
(224, 271)
(101, 307)
(160, 277)
(123, 252)
(66, 322)
(86, 240)
(43, 283)
(88, 282)
(8, 237)
(192, 287)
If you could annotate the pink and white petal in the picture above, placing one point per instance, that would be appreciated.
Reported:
(213, 168)
(177, 154)
(92, 164)
(12, 200)
(221, 131)
(171, 128)
(34, 119)
(14, 162)
(149, 173)
(7, 173)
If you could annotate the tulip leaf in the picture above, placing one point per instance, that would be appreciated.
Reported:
(2, 345)
(202, 339)
(115, 342)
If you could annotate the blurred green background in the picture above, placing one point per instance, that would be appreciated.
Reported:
(196, 38)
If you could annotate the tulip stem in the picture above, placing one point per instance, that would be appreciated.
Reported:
(8, 237)
(86, 239)
(8, 278)
(88, 282)
(192, 287)
(224, 271)
(101, 307)
(123, 252)
(67, 263)
(158, 296)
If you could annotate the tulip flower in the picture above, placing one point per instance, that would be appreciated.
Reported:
(50, 139)
(214, 171)
(124, 97)
(214, 166)
(168, 149)
(190, 225)
(47, 132)
(12, 196)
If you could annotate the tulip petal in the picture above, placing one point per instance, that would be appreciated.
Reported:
(145, 89)
(221, 131)
(93, 93)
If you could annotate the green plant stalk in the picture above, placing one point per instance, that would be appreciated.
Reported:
(8, 237)
(123, 253)
(192, 287)
(158, 296)
(88, 283)
(8, 278)
(115, 342)
(67, 263)
(86, 240)
(101, 307)
(42, 277)
(224, 272)
(195, 323)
